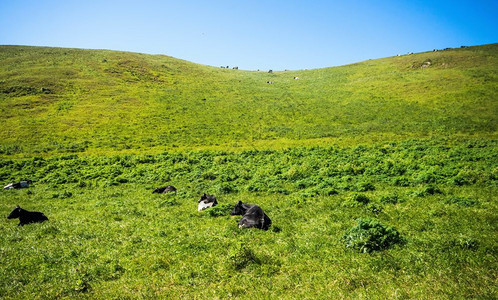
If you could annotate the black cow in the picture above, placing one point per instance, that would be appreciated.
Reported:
(26, 217)
(164, 190)
(253, 216)
(18, 185)
(206, 201)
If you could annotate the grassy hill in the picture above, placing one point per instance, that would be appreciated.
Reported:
(380, 177)
(55, 100)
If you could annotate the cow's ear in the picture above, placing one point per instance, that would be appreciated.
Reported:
(239, 203)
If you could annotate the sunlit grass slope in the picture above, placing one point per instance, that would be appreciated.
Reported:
(406, 145)
(55, 100)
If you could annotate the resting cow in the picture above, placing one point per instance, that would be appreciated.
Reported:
(26, 217)
(206, 201)
(164, 190)
(253, 216)
(18, 185)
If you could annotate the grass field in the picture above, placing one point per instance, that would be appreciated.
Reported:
(406, 147)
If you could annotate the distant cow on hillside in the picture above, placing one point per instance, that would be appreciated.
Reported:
(164, 190)
(26, 217)
(253, 216)
(206, 201)
(18, 185)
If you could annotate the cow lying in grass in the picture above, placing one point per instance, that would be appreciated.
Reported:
(206, 201)
(26, 217)
(18, 185)
(164, 190)
(253, 216)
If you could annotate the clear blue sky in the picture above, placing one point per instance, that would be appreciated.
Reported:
(252, 34)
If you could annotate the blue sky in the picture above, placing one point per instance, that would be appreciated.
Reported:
(255, 34)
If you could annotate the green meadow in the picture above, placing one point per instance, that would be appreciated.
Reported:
(380, 177)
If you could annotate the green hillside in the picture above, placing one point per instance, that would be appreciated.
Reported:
(380, 177)
(55, 100)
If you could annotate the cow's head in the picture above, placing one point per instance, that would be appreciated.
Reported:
(203, 197)
(238, 209)
(16, 213)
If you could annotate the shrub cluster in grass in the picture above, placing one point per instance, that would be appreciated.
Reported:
(375, 208)
(311, 171)
(427, 190)
(462, 201)
(356, 200)
(390, 199)
(371, 235)
(220, 210)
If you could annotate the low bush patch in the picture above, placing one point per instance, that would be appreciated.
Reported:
(371, 235)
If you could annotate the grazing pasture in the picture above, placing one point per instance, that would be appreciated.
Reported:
(109, 235)
(380, 178)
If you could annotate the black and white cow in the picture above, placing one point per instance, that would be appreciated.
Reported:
(164, 190)
(206, 201)
(26, 217)
(18, 185)
(253, 216)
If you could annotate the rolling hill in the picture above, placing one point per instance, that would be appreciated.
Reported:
(56, 100)
(380, 177)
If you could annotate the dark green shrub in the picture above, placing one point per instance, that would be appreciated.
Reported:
(461, 201)
(426, 177)
(122, 180)
(364, 187)
(62, 195)
(356, 200)
(464, 178)
(428, 190)
(389, 199)
(220, 210)
(374, 208)
(256, 186)
(226, 188)
(209, 175)
(371, 235)
(401, 181)
(329, 192)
